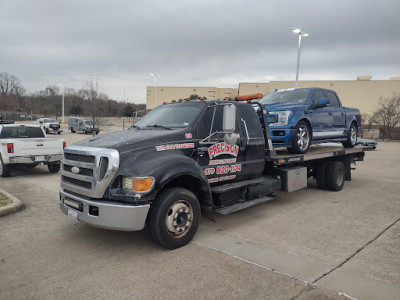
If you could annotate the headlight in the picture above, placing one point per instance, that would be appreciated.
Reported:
(283, 117)
(138, 184)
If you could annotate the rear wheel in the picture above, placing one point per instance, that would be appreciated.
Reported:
(47, 130)
(84, 131)
(335, 176)
(320, 174)
(72, 130)
(174, 218)
(5, 170)
(301, 138)
(53, 168)
(352, 139)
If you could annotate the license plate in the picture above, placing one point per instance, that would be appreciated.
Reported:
(39, 158)
(73, 214)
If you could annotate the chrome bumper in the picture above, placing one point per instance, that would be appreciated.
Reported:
(31, 159)
(108, 215)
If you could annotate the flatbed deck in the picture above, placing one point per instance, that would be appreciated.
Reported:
(283, 157)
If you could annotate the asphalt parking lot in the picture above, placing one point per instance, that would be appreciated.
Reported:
(310, 244)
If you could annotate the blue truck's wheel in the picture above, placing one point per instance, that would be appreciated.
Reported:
(174, 217)
(352, 139)
(301, 138)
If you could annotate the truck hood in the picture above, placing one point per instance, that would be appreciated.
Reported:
(286, 106)
(135, 139)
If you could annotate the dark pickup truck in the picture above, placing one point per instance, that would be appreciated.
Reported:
(183, 158)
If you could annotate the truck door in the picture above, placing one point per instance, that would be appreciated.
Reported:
(222, 157)
(337, 113)
(322, 118)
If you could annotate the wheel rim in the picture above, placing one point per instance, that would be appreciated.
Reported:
(353, 135)
(179, 218)
(303, 137)
(339, 177)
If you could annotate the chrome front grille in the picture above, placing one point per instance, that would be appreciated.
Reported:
(88, 171)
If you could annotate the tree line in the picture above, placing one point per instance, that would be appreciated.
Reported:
(87, 101)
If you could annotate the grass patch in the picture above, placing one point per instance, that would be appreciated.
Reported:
(4, 200)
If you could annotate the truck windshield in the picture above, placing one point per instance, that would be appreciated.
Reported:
(287, 96)
(171, 116)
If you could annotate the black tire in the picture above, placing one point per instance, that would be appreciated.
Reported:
(47, 130)
(59, 132)
(320, 174)
(352, 138)
(174, 218)
(72, 130)
(301, 138)
(54, 168)
(85, 131)
(97, 131)
(335, 175)
(5, 170)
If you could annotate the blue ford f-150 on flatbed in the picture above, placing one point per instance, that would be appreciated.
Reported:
(304, 116)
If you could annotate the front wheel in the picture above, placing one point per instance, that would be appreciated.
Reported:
(174, 217)
(352, 139)
(301, 138)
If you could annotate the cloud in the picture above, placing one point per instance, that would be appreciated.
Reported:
(198, 43)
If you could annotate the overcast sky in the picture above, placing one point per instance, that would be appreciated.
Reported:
(216, 43)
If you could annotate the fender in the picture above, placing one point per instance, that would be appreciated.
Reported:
(167, 168)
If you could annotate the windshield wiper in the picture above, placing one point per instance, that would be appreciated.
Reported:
(159, 126)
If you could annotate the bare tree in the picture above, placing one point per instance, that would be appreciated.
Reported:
(94, 104)
(387, 114)
(10, 85)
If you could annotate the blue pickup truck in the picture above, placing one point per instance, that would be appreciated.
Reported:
(304, 116)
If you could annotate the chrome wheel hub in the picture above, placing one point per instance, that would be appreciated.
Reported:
(179, 218)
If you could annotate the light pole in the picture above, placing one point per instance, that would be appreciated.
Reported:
(301, 34)
(62, 88)
(155, 76)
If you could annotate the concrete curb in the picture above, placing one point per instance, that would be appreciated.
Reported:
(15, 205)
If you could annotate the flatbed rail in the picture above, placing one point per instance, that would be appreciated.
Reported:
(317, 152)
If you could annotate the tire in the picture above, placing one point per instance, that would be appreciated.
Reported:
(59, 132)
(97, 131)
(47, 131)
(320, 174)
(54, 168)
(72, 130)
(174, 218)
(335, 176)
(301, 138)
(352, 138)
(5, 170)
(84, 131)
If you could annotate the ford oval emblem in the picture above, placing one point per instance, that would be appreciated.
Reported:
(75, 170)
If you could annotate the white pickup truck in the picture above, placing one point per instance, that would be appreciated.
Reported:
(27, 145)
(49, 125)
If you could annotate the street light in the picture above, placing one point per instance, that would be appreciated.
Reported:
(301, 34)
(155, 80)
(62, 87)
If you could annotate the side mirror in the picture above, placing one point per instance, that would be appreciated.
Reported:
(322, 102)
(229, 121)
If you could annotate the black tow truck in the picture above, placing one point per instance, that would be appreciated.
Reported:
(184, 158)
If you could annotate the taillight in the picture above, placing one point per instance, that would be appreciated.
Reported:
(64, 144)
(10, 147)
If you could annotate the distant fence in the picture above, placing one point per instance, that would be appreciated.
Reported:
(19, 116)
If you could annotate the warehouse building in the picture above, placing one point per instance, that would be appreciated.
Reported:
(363, 93)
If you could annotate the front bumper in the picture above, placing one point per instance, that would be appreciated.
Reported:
(281, 137)
(31, 159)
(108, 215)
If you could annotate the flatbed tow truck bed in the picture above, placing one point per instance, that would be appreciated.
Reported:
(317, 152)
